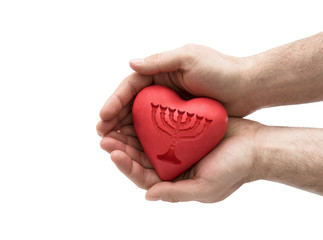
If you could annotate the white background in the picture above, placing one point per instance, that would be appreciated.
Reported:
(59, 62)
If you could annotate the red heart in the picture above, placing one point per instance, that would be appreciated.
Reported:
(174, 133)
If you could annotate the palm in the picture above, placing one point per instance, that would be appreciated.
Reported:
(227, 166)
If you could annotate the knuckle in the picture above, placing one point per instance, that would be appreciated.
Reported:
(144, 184)
(189, 52)
(190, 46)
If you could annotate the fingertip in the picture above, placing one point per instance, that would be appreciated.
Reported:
(98, 128)
(107, 112)
(181, 191)
(136, 63)
(158, 192)
(102, 144)
(105, 144)
(153, 193)
(121, 160)
(151, 197)
(115, 155)
(159, 62)
(111, 108)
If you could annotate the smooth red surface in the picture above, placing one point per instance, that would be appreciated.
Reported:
(173, 143)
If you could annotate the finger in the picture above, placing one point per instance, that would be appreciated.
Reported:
(143, 178)
(186, 190)
(125, 92)
(104, 127)
(169, 61)
(110, 144)
(128, 130)
(126, 121)
(127, 140)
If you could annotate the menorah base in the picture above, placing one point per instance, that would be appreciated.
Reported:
(169, 156)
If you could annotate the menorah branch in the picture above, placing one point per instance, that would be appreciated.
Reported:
(198, 134)
(194, 127)
(171, 116)
(177, 132)
(187, 120)
(163, 119)
(155, 123)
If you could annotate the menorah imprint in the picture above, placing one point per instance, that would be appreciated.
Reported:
(176, 129)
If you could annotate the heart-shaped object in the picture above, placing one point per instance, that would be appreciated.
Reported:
(174, 133)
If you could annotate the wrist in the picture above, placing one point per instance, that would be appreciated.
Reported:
(252, 94)
(254, 134)
(262, 164)
(274, 146)
(270, 80)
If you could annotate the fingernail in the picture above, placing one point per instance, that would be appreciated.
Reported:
(152, 198)
(137, 61)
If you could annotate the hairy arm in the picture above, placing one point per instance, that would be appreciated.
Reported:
(293, 156)
(289, 74)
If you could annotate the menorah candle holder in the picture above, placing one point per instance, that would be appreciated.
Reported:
(177, 129)
(174, 133)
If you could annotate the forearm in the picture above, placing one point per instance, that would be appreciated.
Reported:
(293, 156)
(289, 74)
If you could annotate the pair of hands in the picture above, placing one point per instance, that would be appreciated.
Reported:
(192, 71)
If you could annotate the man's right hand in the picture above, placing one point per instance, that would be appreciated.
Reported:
(192, 71)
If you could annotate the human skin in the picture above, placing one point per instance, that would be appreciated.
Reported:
(248, 152)
(289, 74)
(293, 156)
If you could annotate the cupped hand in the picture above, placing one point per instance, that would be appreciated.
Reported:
(222, 171)
(192, 71)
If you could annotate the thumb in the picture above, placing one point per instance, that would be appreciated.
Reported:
(161, 62)
(181, 191)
